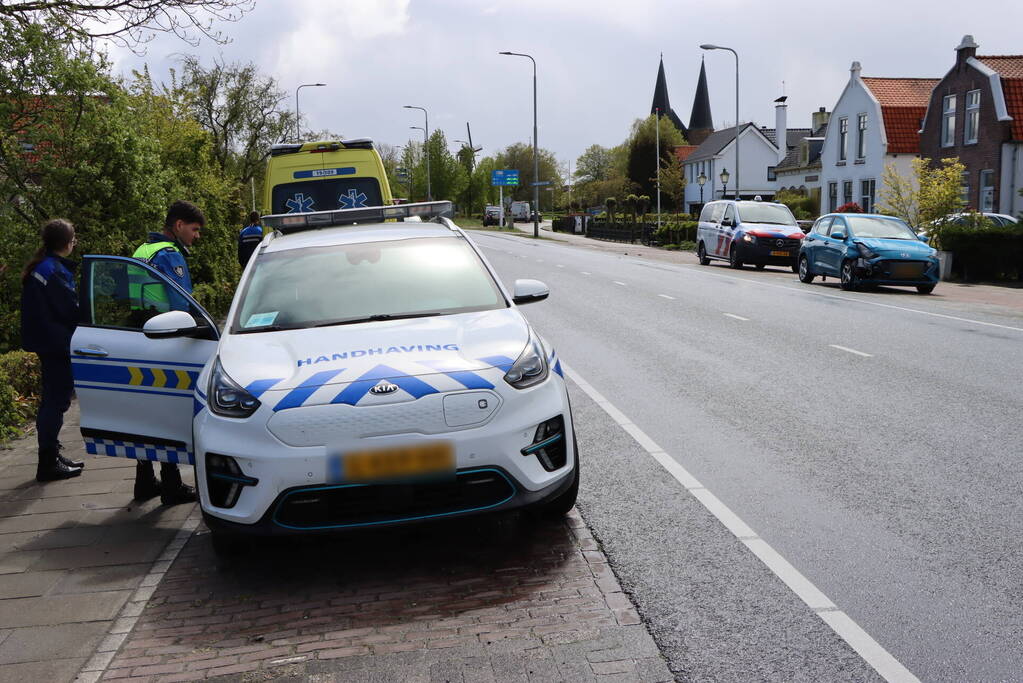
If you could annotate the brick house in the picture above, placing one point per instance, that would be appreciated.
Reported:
(975, 113)
(874, 124)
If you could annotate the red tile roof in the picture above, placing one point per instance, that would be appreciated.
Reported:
(903, 105)
(1010, 68)
(683, 151)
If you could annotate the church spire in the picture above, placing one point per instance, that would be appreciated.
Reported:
(701, 124)
(661, 104)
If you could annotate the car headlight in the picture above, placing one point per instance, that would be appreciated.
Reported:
(749, 238)
(226, 398)
(530, 368)
(865, 251)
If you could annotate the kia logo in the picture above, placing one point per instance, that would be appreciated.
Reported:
(384, 387)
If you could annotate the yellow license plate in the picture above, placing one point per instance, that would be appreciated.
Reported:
(780, 253)
(398, 463)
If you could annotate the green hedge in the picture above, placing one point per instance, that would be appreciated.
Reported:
(676, 233)
(986, 253)
(19, 392)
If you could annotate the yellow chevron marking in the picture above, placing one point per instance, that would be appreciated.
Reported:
(136, 376)
(159, 377)
(184, 381)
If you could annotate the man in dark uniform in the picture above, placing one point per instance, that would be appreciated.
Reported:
(166, 251)
(249, 238)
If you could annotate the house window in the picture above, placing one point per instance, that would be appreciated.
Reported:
(972, 116)
(964, 188)
(948, 121)
(832, 197)
(861, 136)
(987, 190)
(867, 195)
(843, 138)
(771, 175)
(847, 195)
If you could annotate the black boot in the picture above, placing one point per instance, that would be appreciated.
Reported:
(146, 484)
(52, 469)
(174, 490)
(67, 461)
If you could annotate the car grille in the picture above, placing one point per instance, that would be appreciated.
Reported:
(772, 243)
(326, 507)
(901, 270)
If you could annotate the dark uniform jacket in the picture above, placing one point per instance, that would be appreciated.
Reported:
(248, 239)
(49, 307)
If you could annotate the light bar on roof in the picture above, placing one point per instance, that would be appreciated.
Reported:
(297, 222)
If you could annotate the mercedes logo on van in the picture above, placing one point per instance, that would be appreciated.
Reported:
(384, 387)
(780, 243)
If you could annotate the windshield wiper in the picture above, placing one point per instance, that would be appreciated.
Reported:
(267, 328)
(379, 317)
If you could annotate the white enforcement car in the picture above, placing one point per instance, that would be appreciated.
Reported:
(369, 373)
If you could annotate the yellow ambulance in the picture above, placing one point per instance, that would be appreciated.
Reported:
(324, 175)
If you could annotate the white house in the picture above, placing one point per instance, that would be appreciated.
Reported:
(875, 122)
(758, 156)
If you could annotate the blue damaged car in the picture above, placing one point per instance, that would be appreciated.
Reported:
(866, 250)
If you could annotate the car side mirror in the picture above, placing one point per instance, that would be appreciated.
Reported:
(726, 223)
(840, 236)
(529, 291)
(172, 324)
(924, 238)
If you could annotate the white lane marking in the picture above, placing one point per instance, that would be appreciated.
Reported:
(848, 350)
(618, 283)
(584, 272)
(810, 290)
(848, 630)
(737, 317)
(560, 266)
(665, 296)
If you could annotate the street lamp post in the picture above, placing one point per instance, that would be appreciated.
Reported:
(427, 161)
(708, 46)
(536, 159)
(724, 182)
(701, 180)
(426, 146)
(298, 118)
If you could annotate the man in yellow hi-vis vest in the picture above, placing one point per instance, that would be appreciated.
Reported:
(166, 251)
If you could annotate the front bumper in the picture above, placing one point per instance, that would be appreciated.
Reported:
(768, 252)
(285, 472)
(900, 272)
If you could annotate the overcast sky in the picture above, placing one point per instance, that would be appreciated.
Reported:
(597, 60)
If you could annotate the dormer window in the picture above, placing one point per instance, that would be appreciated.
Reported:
(948, 121)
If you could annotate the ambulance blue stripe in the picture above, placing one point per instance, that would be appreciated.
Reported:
(261, 385)
(183, 394)
(299, 394)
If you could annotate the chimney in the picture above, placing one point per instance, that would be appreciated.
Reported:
(966, 49)
(854, 70)
(780, 120)
(820, 119)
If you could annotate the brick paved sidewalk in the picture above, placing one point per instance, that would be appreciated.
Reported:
(71, 555)
(485, 599)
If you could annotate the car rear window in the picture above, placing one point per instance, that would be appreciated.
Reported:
(325, 195)
(355, 282)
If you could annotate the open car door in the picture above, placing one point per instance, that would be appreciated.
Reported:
(137, 392)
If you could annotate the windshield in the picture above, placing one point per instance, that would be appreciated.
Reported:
(766, 213)
(351, 283)
(324, 195)
(881, 228)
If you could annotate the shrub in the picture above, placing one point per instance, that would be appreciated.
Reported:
(985, 253)
(802, 207)
(850, 207)
(19, 387)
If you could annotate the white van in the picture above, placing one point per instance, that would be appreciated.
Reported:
(520, 211)
(761, 233)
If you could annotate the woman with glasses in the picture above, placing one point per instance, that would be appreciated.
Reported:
(49, 315)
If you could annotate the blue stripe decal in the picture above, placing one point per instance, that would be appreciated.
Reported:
(557, 368)
(299, 394)
(137, 451)
(354, 392)
(183, 394)
(459, 372)
(259, 386)
(113, 374)
(138, 360)
(503, 362)
(201, 395)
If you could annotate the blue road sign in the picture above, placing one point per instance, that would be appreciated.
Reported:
(504, 177)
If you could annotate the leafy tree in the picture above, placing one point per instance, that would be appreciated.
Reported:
(673, 181)
(131, 23)
(930, 194)
(520, 156)
(448, 178)
(596, 163)
(644, 156)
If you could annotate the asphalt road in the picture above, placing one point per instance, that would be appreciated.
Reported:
(871, 438)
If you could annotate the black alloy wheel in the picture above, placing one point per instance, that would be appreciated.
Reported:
(733, 258)
(849, 279)
(701, 254)
(805, 274)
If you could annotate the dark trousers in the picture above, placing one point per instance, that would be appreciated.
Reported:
(58, 386)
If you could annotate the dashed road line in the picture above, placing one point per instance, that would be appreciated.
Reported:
(848, 350)
(618, 283)
(584, 272)
(560, 266)
(737, 317)
(665, 296)
(869, 649)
